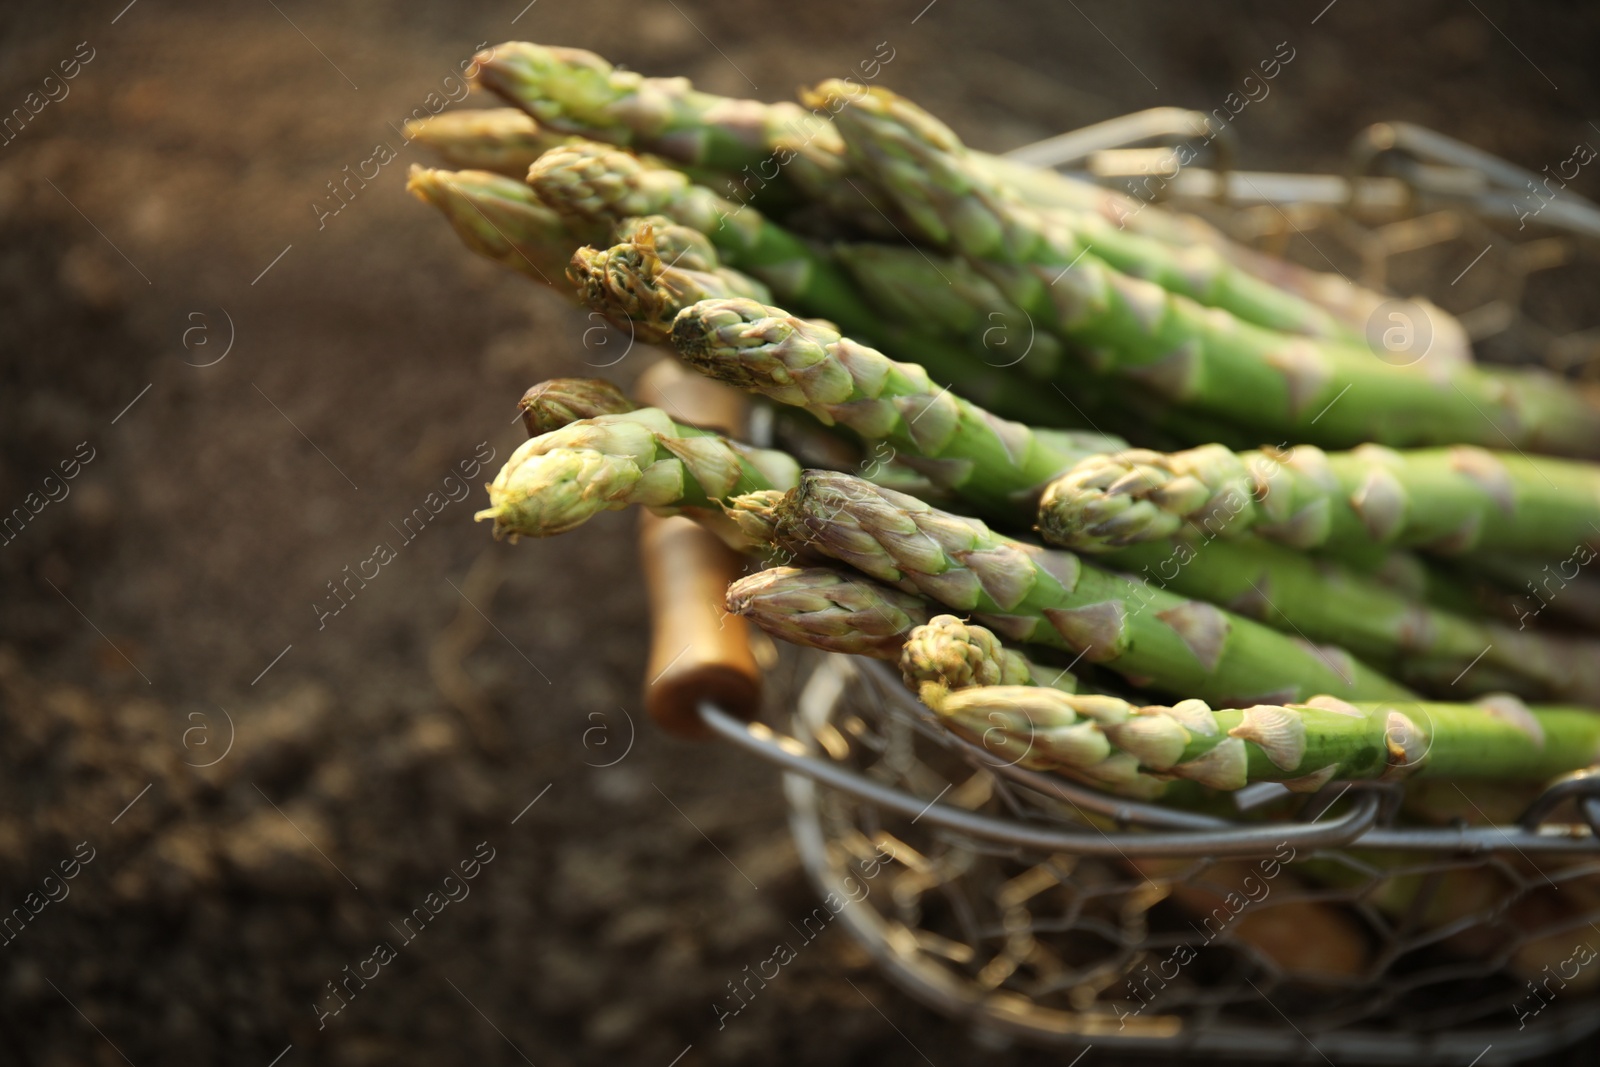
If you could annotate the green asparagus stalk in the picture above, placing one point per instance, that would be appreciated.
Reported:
(634, 292)
(946, 655)
(1447, 500)
(910, 285)
(630, 284)
(765, 153)
(1305, 389)
(1028, 594)
(887, 137)
(992, 462)
(553, 404)
(590, 182)
(759, 146)
(558, 481)
(833, 611)
(503, 140)
(1425, 646)
(1354, 306)
(828, 609)
(577, 91)
(1302, 745)
(502, 219)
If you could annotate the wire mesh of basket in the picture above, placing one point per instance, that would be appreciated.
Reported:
(1317, 930)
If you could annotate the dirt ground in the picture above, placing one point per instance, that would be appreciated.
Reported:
(251, 791)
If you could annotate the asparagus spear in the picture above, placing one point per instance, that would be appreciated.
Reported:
(828, 609)
(765, 152)
(989, 461)
(910, 285)
(837, 611)
(924, 168)
(553, 404)
(1448, 500)
(757, 144)
(502, 219)
(1354, 306)
(630, 283)
(558, 481)
(946, 655)
(503, 140)
(1303, 745)
(1028, 594)
(1191, 354)
(1390, 613)
(634, 292)
(590, 182)
(1423, 645)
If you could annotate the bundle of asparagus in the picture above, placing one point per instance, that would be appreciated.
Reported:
(1241, 614)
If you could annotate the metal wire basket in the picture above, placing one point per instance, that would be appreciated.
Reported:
(1315, 930)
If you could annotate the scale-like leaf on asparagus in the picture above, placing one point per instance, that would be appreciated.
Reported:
(1447, 500)
(1303, 745)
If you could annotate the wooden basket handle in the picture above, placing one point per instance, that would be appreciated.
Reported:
(698, 652)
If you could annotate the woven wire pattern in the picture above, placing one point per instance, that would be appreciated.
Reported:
(1521, 289)
(1308, 949)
